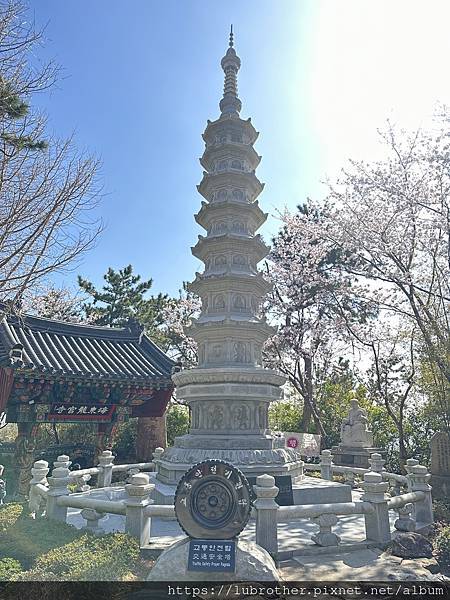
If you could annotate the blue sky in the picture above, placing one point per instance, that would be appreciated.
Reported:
(141, 77)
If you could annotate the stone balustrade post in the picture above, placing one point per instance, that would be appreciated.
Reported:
(404, 521)
(138, 498)
(377, 522)
(130, 473)
(92, 518)
(157, 454)
(410, 463)
(376, 462)
(325, 537)
(58, 483)
(418, 479)
(105, 465)
(39, 474)
(326, 465)
(266, 514)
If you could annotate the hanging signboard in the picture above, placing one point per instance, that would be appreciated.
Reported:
(308, 444)
(80, 412)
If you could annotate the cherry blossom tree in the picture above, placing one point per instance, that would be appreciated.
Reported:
(395, 216)
(311, 292)
(56, 303)
(177, 314)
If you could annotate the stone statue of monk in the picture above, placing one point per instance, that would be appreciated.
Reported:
(354, 429)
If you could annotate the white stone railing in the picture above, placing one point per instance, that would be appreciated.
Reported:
(51, 496)
(328, 469)
(413, 507)
(105, 469)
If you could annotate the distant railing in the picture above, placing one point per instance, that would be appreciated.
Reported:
(52, 497)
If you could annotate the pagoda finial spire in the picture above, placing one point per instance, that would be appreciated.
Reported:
(230, 103)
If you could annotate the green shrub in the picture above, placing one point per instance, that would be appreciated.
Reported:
(441, 510)
(24, 538)
(177, 421)
(442, 547)
(124, 447)
(9, 513)
(8, 568)
(90, 558)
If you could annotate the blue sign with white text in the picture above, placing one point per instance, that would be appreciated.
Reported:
(212, 555)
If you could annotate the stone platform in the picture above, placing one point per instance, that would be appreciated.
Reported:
(354, 456)
(310, 490)
(364, 565)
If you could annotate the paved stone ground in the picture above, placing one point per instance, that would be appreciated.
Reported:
(363, 565)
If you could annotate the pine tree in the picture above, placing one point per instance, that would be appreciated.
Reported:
(122, 299)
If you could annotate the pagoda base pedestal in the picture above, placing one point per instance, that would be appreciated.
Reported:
(271, 461)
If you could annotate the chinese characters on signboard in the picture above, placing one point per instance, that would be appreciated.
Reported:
(212, 555)
(80, 412)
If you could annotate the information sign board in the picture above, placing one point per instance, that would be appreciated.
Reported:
(212, 555)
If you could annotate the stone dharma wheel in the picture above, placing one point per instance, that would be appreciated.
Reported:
(212, 501)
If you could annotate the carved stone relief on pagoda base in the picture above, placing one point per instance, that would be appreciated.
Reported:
(231, 417)
(238, 457)
(229, 392)
(225, 440)
(229, 375)
(24, 456)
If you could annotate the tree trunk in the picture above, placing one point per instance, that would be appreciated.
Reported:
(309, 409)
(306, 417)
(24, 457)
(402, 455)
(151, 434)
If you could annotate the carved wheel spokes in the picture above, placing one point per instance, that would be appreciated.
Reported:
(212, 501)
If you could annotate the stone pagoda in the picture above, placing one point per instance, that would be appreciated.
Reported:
(229, 392)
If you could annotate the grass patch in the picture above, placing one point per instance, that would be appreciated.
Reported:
(9, 567)
(43, 550)
(25, 539)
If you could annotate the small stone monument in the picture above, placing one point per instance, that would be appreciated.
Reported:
(440, 464)
(356, 444)
(212, 506)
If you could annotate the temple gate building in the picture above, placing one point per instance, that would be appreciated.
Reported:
(58, 372)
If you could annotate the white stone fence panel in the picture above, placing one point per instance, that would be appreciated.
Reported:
(328, 469)
(414, 510)
(413, 507)
(105, 469)
(52, 495)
